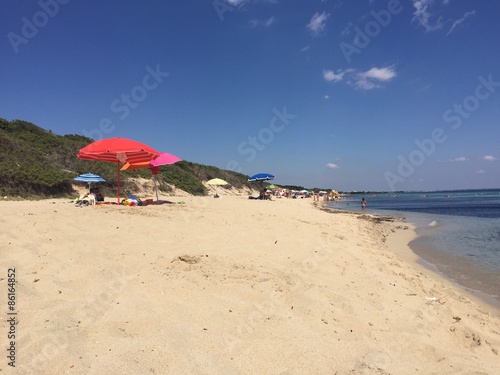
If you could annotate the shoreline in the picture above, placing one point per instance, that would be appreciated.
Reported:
(460, 272)
(232, 285)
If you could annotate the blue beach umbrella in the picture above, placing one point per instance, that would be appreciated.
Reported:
(89, 178)
(261, 177)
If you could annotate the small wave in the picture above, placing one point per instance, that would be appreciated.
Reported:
(433, 223)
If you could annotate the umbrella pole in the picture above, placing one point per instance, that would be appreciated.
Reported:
(156, 189)
(118, 198)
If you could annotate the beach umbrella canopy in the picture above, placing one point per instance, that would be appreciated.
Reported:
(128, 166)
(164, 159)
(216, 181)
(261, 177)
(273, 186)
(118, 150)
(89, 178)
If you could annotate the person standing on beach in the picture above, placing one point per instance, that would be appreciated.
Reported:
(363, 203)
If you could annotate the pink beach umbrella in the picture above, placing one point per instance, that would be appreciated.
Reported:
(164, 159)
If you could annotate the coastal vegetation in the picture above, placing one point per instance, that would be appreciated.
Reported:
(36, 163)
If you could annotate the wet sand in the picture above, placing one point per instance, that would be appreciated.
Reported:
(478, 279)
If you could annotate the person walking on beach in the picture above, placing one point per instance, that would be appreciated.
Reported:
(363, 203)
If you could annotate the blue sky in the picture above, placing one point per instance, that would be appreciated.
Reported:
(350, 95)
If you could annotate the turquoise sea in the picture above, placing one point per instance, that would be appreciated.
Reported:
(458, 232)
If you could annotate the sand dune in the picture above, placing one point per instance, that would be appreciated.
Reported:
(231, 286)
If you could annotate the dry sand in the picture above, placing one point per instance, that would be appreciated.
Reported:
(230, 286)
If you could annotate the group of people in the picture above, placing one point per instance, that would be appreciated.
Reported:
(266, 194)
(92, 197)
(263, 195)
(326, 197)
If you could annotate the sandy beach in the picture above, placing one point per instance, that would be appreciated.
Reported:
(229, 286)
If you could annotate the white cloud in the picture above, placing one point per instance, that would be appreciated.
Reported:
(423, 15)
(264, 23)
(459, 21)
(367, 80)
(318, 23)
(460, 159)
(366, 85)
(332, 166)
(371, 78)
(236, 3)
(381, 74)
(326, 97)
(331, 76)
(269, 21)
(481, 171)
(489, 158)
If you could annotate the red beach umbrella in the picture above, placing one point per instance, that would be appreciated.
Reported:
(120, 151)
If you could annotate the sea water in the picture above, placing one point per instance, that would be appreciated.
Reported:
(458, 232)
